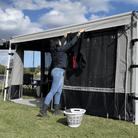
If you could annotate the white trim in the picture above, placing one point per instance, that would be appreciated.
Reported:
(95, 89)
(103, 23)
(136, 93)
(7, 71)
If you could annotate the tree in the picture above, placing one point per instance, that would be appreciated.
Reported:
(37, 70)
(27, 71)
(2, 69)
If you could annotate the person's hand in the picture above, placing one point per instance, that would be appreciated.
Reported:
(82, 30)
(67, 33)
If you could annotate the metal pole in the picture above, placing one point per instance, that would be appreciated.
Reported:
(7, 72)
(136, 93)
(33, 58)
(42, 70)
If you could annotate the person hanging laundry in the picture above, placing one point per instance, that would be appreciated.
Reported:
(59, 56)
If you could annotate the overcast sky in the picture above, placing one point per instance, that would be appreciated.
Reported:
(19, 17)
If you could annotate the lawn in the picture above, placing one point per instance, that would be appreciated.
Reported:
(21, 121)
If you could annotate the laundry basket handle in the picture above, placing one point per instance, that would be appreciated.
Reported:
(76, 110)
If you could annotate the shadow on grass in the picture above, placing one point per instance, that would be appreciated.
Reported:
(62, 121)
(51, 111)
(39, 115)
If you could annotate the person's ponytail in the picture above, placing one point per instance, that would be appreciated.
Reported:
(54, 44)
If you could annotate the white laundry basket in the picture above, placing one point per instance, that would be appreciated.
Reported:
(74, 116)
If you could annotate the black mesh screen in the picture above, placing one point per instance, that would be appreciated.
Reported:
(99, 50)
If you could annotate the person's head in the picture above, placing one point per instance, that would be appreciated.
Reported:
(55, 43)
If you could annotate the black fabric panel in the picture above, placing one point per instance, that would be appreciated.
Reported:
(100, 103)
(15, 92)
(130, 106)
(99, 50)
(27, 79)
(45, 88)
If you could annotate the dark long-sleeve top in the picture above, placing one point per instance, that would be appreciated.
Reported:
(61, 52)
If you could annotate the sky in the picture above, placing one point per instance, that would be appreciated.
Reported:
(18, 17)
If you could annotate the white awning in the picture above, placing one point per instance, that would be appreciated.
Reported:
(103, 23)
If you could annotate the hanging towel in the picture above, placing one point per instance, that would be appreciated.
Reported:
(78, 58)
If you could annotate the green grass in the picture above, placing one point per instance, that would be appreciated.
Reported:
(21, 121)
(1, 84)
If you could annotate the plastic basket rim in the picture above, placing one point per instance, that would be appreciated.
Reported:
(75, 113)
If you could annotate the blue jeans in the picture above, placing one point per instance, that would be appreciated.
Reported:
(56, 89)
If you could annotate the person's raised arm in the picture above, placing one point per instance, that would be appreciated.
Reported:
(71, 43)
(64, 37)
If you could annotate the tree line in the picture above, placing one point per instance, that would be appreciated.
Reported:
(2, 69)
(29, 71)
(26, 70)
